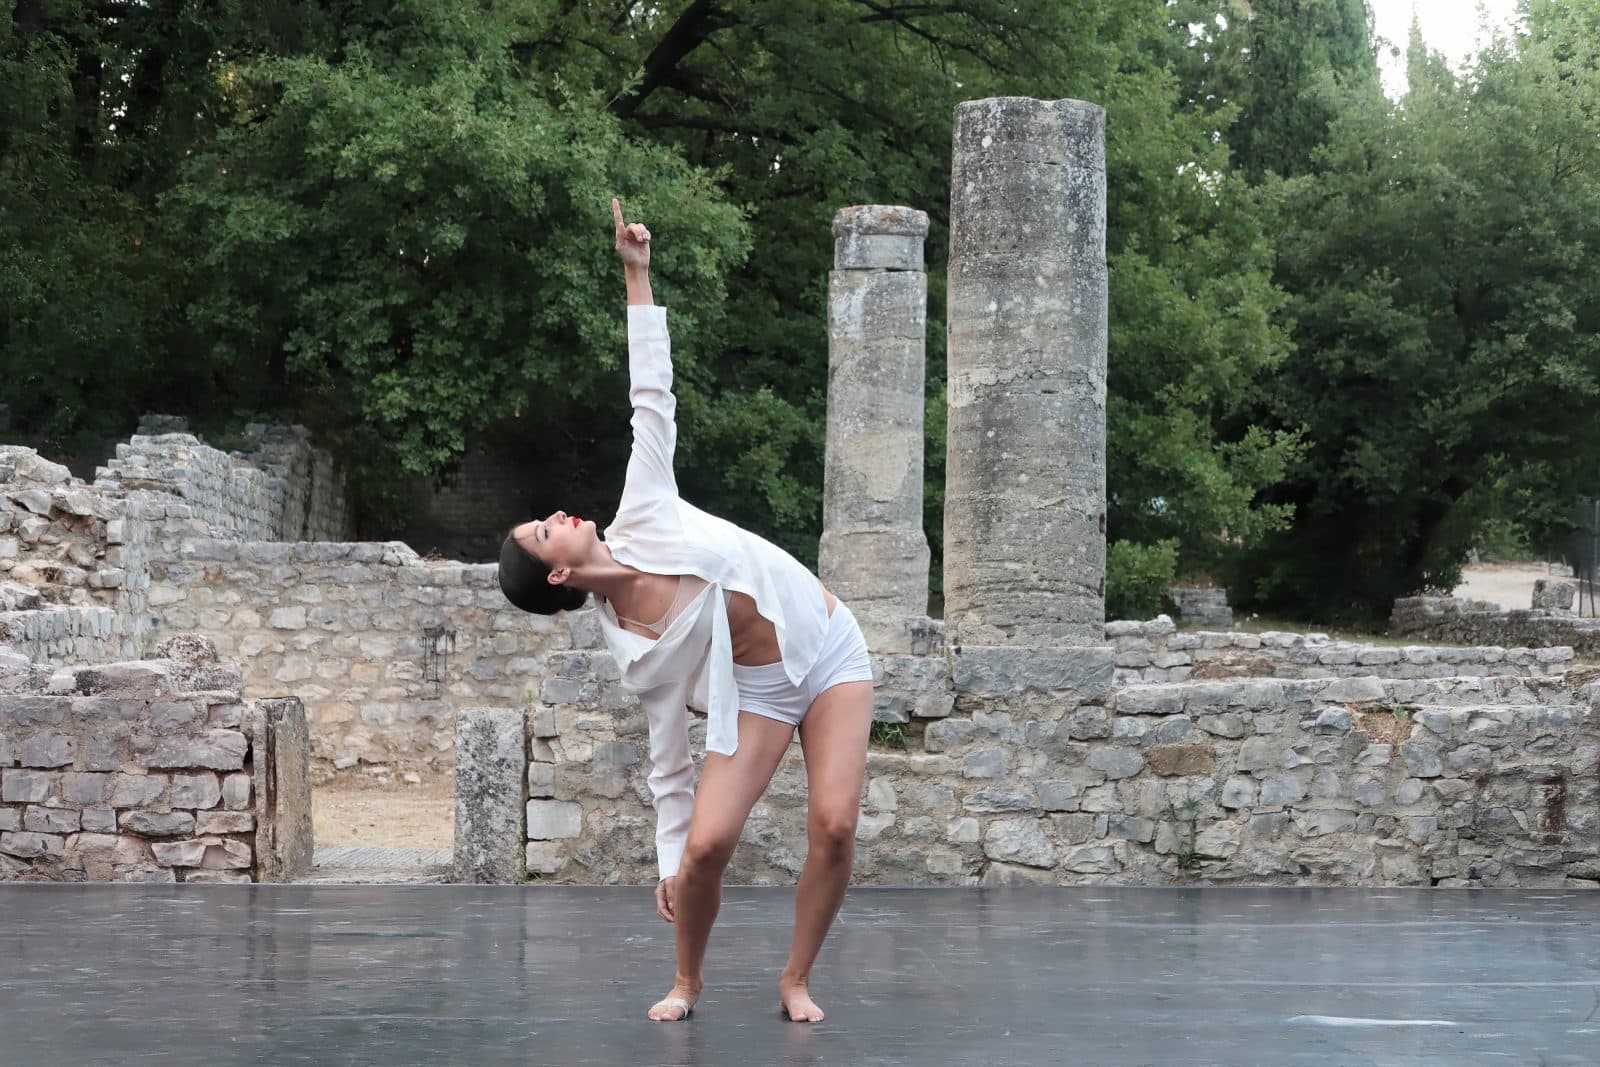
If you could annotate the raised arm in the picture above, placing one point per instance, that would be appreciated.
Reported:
(633, 245)
(650, 478)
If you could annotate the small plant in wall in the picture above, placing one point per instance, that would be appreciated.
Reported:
(888, 734)
(1183, 817)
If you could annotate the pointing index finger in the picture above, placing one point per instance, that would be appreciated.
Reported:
(616, 214)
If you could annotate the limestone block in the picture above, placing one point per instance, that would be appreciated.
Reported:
(224, 822)
(491, 766)
(985, 763)
(27, 846)
(1116, 762)
(1176, 760)
(195, 791)
(545, 857)
(50, 820)
(1001, 799)
(1018, 841)
(553, 820)
(28, 787)
(158, 824)
(1059, 794)
(994, 671)
(221, 750)
(235, 792)
(946, 734)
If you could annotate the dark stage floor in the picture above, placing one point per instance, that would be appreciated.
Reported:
(505, 975)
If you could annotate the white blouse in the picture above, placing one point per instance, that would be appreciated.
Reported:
(692, 661)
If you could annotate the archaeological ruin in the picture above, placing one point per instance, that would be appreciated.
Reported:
(189, 640)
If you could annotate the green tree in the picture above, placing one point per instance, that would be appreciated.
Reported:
(1442, 267)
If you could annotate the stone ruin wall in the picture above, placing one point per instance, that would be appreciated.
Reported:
(341, 625)
(152, 771)
(74, 563)
(1155, 651)
(1029, 767)
(1477, 622)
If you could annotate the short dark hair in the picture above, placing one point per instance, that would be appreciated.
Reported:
(525, 580)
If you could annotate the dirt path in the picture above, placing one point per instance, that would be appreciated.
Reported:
(355, 810)
(1508, 584)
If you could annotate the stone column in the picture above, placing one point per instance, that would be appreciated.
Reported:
(873, 552)
(491, 789)
(1024, 523)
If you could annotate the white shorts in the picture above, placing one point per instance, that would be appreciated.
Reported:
(767, 691)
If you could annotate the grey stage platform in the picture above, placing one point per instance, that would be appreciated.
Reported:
(509, 975)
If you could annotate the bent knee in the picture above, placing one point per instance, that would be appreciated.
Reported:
(709, 853)
(833, 831)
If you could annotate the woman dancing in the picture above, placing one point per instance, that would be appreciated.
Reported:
(736, 627)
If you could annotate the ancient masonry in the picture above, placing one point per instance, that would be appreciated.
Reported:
(1023, 740)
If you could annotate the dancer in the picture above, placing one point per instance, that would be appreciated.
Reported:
(739, 629)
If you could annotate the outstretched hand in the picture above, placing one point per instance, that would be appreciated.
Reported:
(633, 240)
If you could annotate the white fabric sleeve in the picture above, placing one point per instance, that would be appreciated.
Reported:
(671, 774)
(650, 477)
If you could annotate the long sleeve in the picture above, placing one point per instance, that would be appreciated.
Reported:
(650, 478)
(672, 772)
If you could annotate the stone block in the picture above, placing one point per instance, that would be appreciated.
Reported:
(50, 820)
(946, 734)
(29, 711)
(282, 768)
(881, 795)
(157, 823)
(221, 750)
(1058, 795)
(99, 820)
(1177, 760)
(136, 790)
(28, 787)
(984, 763)
(491, 766)
(1018, 841)
(1280, 790)
(236, 791)
(27, 846)
(1001, 799)
(554, 820)
(1422, 759)
(545, 857)
(224, 822)
(84, 789)
(1238, 792)
(198, 791)
(989, 671)
(1116, 761)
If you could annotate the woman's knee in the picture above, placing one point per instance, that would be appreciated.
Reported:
(710, 853)
(834, 832)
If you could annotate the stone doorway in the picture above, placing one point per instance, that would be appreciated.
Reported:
(379, 824)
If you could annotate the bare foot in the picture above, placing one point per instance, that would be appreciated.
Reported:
(795, 997)
(677, 1004)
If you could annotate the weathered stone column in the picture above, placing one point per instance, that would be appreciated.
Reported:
(491, 789)
(1024, 525)
(873, 552)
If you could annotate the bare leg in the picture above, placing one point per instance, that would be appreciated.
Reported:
(833, 735)
(729, 788)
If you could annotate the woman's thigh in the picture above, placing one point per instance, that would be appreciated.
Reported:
(833, 736)
(731, 785)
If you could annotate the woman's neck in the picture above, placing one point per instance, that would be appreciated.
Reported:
(605, 577)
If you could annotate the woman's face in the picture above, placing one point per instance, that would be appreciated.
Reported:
(558, 540)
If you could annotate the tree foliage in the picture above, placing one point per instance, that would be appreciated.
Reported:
(1441, 264)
